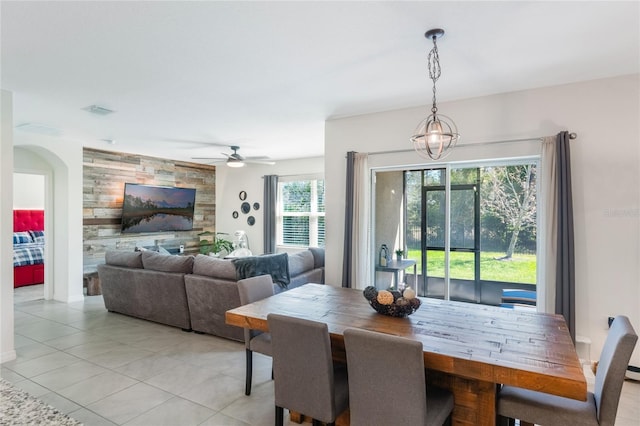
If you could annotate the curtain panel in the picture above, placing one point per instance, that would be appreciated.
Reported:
(269, 212)
(559, 234)
(356, 258)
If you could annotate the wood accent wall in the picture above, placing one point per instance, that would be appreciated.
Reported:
(104, 175)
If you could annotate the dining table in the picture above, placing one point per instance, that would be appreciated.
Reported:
(470, 349)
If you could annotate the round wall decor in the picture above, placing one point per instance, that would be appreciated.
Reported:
(242, 195)
(256, 206)
(251, 220)
(234, 214)
(245, 207)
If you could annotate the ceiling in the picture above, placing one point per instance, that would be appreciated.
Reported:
(185, 76)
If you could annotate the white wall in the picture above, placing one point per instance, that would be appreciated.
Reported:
(605, 170)
(28, 191)
(63, 209)
(7, 346)
(229, 183)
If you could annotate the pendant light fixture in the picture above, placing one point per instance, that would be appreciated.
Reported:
(437, 134)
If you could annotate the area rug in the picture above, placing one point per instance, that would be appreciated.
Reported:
(19, 408)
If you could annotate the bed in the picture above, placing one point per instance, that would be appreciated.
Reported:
(28, 247)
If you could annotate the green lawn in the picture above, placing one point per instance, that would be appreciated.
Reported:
(520, 269)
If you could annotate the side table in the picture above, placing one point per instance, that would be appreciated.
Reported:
(395, 266)
(91, 281)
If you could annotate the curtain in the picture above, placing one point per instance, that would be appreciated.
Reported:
(356, 258)
(270, 196)
(559, 241)
(347, 276)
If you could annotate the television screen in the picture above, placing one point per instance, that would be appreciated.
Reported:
(149, 208)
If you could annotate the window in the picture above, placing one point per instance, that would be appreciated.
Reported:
(300, 217)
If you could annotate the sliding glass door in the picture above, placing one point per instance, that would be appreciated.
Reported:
(471, 230)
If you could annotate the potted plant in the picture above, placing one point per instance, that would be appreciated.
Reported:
(399, 254)
(216, 245)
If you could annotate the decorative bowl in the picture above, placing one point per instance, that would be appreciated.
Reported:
(400, 307)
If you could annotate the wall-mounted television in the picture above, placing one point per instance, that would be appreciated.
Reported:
(150, 208)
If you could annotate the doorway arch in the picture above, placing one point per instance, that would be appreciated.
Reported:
(63, 246)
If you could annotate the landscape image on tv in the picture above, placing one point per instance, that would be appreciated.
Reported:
(149, 208)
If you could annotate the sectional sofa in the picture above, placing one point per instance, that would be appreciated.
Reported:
(189, 292)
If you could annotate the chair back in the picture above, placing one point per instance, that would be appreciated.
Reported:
(612, 367)
(251, 290)
(387, 383)
(302, 367)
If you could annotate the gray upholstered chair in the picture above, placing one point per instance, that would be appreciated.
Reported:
(601, 406)
(306, 380)
(387, 384)
(251, 290)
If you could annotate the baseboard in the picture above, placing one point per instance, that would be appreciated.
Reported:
(7, 356)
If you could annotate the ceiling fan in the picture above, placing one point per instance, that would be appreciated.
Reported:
(237, 160)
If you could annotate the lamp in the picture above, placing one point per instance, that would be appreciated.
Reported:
(437, 134)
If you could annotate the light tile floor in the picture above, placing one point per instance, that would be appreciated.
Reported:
(103, 368)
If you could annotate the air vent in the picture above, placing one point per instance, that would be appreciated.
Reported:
(38, 128)
(98, 110)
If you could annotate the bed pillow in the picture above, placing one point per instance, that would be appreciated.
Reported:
(22, 238)
(38, 236)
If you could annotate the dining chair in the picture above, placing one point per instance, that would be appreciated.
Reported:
(305, 378)
(387, 384)
(251, 290)
(601, 406)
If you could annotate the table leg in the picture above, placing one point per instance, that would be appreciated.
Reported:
(475, 400)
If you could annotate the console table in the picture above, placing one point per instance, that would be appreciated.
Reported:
(395, 266)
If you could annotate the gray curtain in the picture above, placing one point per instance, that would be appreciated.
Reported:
(347, 270)
(565, 264)
(270, 196)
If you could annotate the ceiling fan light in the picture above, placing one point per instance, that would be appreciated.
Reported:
(235, 163)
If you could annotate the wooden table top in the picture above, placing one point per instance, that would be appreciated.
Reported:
(520, 348)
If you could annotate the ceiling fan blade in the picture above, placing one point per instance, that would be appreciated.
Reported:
(265, 162)
(209, 158)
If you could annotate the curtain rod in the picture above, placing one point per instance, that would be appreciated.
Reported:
(396, 151)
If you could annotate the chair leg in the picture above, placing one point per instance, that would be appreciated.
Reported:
(247, 386)
(279, 416)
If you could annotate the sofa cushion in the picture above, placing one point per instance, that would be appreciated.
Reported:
(127, 259)
(300, 262)
(166, 262)
(277, 265)
(318, 256)
(214, 267)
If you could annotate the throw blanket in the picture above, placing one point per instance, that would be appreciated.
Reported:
(276, 265)
(28, 254)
